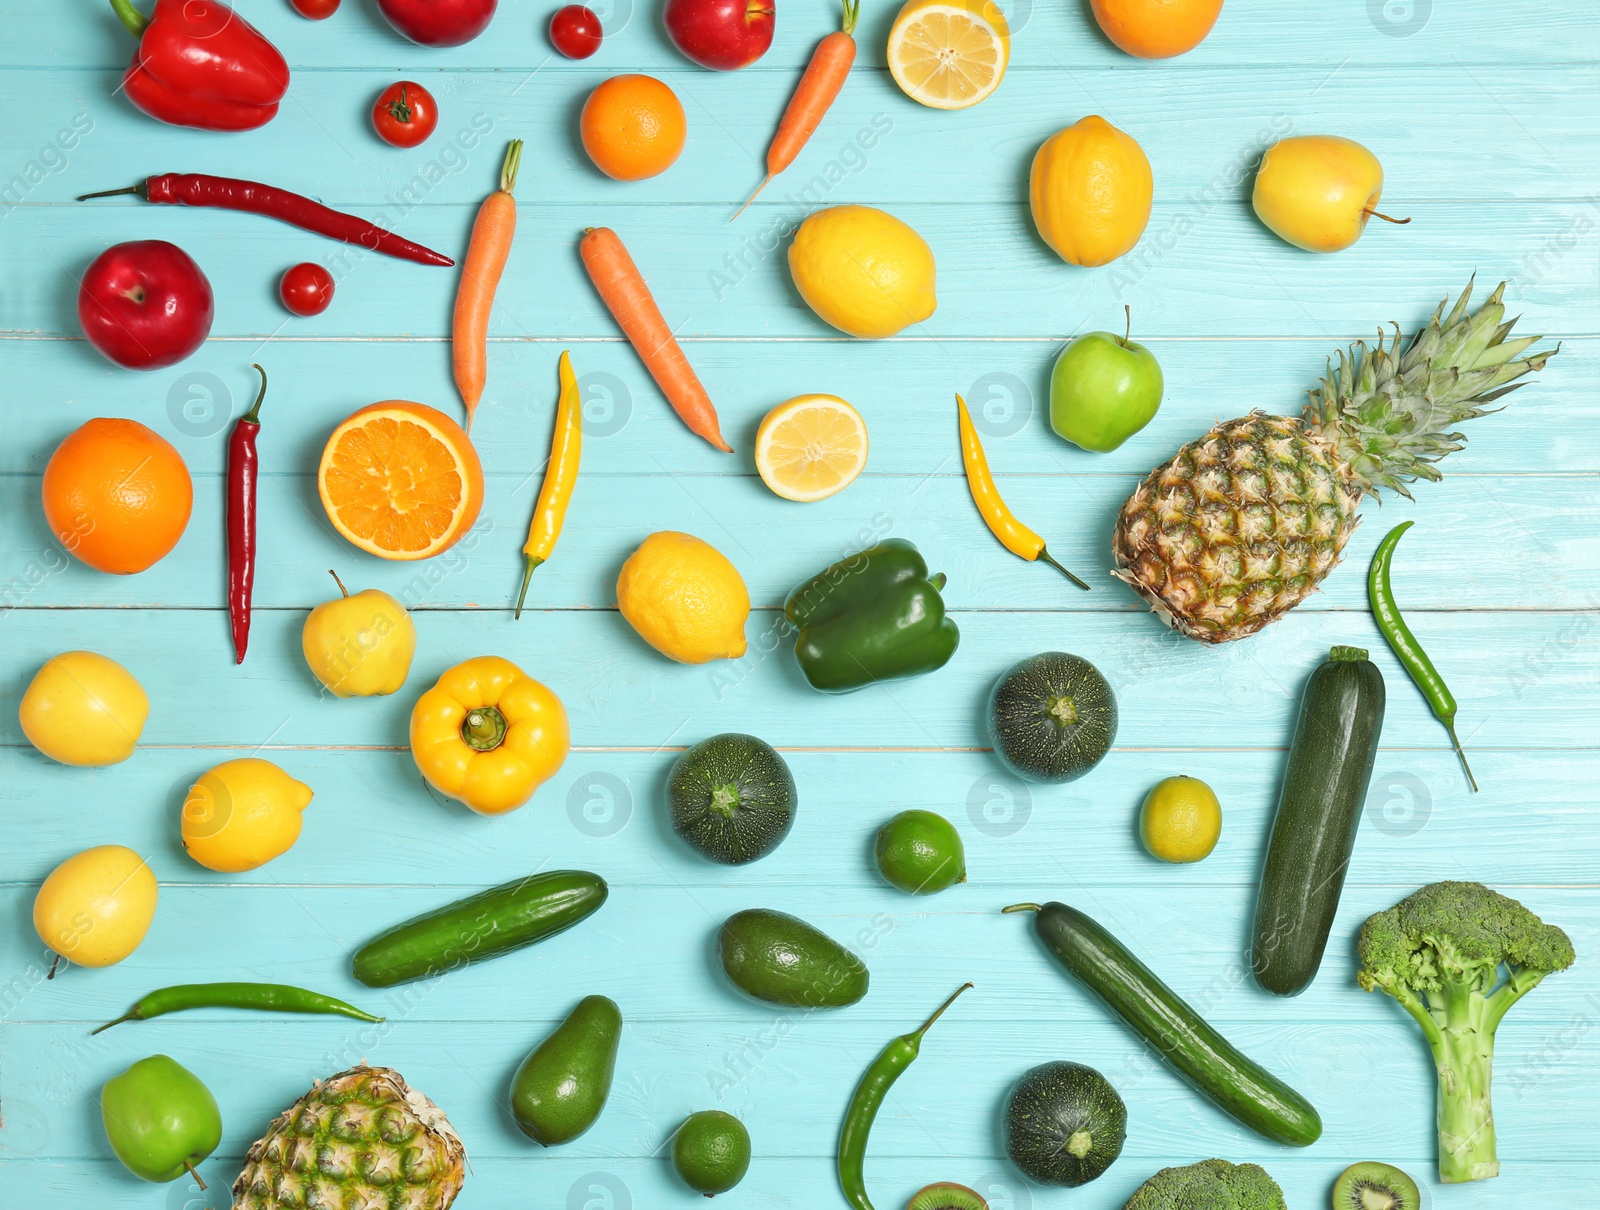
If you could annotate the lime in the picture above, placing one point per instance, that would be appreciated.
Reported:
(711, 1151)
(1180, 820)
(921, 853)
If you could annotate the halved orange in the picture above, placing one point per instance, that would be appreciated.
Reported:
(400, 480)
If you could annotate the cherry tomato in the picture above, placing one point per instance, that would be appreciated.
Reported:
(405, 114)
(575, 31)
(306, 288)
(314, 10)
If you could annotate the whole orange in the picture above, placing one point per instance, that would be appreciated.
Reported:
(1156, 29)
(117, 495)
(633, 127)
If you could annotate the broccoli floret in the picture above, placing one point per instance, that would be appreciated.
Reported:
(1209, 1185)
(1440, 953)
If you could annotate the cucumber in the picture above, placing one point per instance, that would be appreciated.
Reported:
(1242, 1088)
(1319, 810)
(485, 925)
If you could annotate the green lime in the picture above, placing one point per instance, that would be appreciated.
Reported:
(921, 853)
(711, 1151)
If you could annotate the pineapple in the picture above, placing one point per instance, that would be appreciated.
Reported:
(1243, 524)
(360, 1140)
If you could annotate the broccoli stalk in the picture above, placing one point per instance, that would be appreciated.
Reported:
(1440, 953)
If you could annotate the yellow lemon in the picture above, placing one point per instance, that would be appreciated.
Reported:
(84, 709)
(242, 814)
(949, 54)
(1090, 191)
(863, 271)
(95, 908)
(811, 447)
(684, 598)
(1180, 820)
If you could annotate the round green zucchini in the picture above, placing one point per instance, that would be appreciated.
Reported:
(1064, 1124)
(732, 798)
(485, 925)
(1319, 809)
(1052, 717)
(1239, 1086)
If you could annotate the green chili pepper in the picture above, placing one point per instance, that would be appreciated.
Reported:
(873, 616)
(876, 1081)
(267, 997)
(1415, 660)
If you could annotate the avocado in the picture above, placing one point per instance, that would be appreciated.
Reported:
(781, 959)
(560, 1089)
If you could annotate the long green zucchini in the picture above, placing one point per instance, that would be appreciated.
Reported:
(485, 925)
(1319, 810)
(1240, 1086)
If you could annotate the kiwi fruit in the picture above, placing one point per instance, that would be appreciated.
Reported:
(1375, 1186)
(947, 1196)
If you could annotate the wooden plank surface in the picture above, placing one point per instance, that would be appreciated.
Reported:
(1485, 120)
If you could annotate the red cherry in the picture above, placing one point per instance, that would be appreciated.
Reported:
(314, 10)
(306, 289)
(575, 31)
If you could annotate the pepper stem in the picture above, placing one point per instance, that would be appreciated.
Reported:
(533, 561)
(1466, 768)
(484, 729)
(1045, 555)
(139, 189)
(196, 1175)
(938, 581)
(343, 591)
(127, 1016)
(939, 1012)
(136, 21)
(253, 416)
(1022, 907)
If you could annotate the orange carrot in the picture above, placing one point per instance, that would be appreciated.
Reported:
(480, 277)
(817, 90)
(626, 296)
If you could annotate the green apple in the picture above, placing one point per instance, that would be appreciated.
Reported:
(160, 1118)
(1103, 390)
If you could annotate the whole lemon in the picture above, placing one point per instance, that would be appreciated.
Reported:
(863, 271)
(1180, 820)
(95, 908)
(242, 814)
(84, 709)
(360, 645)
(684, 598)
(1090, 190)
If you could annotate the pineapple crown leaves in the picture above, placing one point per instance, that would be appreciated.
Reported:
(1390, 412)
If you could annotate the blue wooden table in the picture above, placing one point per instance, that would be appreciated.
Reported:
(1484, 116)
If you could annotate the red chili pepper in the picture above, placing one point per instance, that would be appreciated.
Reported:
(230, 193)
(243, 463)
(200, 64)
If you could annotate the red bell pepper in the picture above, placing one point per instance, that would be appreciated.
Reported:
(200, 64)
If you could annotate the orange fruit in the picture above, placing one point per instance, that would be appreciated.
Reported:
(633, 127)
(117, 495)
(1156, 29)
(400, 480)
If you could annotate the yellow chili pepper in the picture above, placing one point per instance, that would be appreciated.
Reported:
(560, 476)
(1013, 534)
(488, 735)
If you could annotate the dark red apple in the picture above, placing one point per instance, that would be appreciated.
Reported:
(723, 35)
(145, 304)
(438, 22)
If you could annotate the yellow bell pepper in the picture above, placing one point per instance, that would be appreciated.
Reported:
(488, 735)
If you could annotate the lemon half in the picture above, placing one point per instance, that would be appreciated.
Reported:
(949, 55)
(810, 447)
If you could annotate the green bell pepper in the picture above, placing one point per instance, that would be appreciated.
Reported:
(873, 616)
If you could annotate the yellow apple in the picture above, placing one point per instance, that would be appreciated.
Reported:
(361, 645)
(1318, 191)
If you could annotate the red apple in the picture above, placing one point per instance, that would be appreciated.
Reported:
(723, 35)
(145, 304)
(438, 22)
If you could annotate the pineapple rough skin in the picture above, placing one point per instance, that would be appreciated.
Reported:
(1439, 953)
(1209, 1185)
(1244, 524)
(361, 1140)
